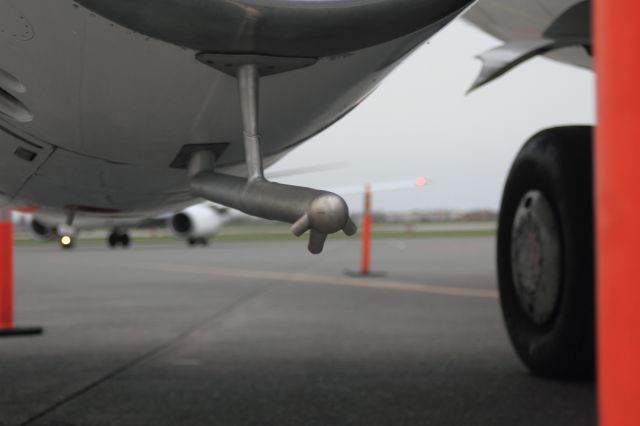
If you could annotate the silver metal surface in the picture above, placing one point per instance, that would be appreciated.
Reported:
(536, 257)
(308, 28)
(249, 90)
(267, 65)
(321, 212)
(12, 108)
(572, 28)
(113, 108)
(9, 82)
(14, 22)
(500, 60)
(511, 20)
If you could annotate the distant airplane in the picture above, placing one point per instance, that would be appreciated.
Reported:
(122, 110)
(196, 224)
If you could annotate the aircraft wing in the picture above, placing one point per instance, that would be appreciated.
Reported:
(558, 29)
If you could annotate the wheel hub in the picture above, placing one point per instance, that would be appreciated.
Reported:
(535, 257)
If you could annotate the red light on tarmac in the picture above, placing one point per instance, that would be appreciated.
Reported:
(421, 181)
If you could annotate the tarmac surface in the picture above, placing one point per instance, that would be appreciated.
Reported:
(263, 333)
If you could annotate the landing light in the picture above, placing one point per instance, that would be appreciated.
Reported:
(421, 181)
(65, 240)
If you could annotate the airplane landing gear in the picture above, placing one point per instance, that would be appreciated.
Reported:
(118, 238)
(67, 235)
(203, 241)
(546, 254)
(66, 241)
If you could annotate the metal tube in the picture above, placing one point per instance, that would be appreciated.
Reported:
(321, 212)
(269, 200)
(249, 90)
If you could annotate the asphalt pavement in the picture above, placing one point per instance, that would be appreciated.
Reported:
(263, 333)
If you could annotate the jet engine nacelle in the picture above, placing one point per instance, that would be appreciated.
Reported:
(199, 221)
(41, 231)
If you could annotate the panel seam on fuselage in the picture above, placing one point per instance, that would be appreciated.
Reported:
(35, 172)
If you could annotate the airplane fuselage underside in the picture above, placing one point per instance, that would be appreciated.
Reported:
(94, 117)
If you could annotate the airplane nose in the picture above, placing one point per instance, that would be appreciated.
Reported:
(303, 28)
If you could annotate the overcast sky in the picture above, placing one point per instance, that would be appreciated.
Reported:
(420, 123)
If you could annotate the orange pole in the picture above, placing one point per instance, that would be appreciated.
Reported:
(367, 220)
(6, 270)
(617, 149)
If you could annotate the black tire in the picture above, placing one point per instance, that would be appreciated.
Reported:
(191, 242)
(558, 164)
(117, 238)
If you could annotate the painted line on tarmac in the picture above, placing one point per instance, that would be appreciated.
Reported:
(376, 283)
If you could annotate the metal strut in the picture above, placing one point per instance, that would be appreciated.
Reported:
(320, 212)
(249, 90)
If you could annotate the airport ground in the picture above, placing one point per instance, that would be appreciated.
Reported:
(262, 333)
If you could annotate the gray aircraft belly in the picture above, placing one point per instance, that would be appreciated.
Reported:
(112, 108)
